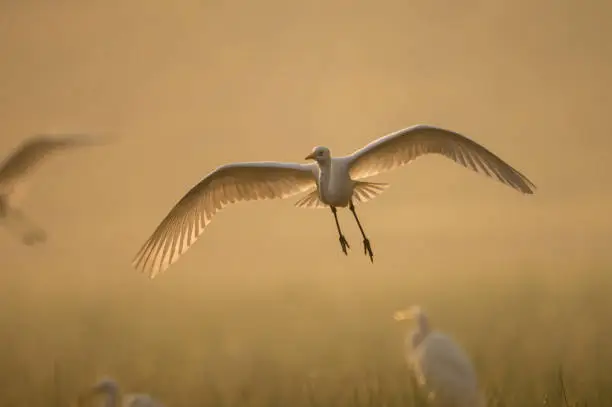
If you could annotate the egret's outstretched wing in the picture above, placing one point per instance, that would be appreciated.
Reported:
(31, 153)
(227, 184)
(403, 146)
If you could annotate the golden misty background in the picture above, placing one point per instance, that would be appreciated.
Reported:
(190, 85)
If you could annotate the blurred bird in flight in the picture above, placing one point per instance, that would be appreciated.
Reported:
(15, 177)
(331, 182)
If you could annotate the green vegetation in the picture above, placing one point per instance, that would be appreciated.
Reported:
(305, 343)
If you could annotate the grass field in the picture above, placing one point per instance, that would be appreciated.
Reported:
(302, 344)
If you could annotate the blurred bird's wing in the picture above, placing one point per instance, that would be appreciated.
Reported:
(404, 146)
(227, 184)
(30, 154)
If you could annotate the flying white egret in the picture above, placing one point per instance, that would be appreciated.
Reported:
(333, 182)
(14, 179)
(441, 366)
(109, 389)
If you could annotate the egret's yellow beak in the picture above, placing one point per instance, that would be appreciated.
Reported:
(310, 156)
(404, 314)
(400, 316)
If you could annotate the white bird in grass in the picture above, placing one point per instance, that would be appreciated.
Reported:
(441, 366)
(333, 182)
(109, 389)
(14, 179)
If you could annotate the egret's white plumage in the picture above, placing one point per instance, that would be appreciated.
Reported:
(441, 366)
(330, 182)
(109, 389)
(15, 173)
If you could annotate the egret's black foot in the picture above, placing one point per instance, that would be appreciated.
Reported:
(367, 249)
(344, 244)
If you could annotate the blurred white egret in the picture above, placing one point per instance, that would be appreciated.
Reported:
(441, 366)
(109, 389)
(333, 183)
(14, 179)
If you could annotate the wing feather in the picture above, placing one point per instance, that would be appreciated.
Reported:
(404, 146)
(366, 191)
(30, 153)
(228, 184)
(311, 200)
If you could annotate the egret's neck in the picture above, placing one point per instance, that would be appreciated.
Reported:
(324, 165)
(324, 169)
(414, 339)
(421, 331)
(423, 325)
(324, 175)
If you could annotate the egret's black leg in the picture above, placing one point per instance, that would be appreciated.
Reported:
(343, 243)
(367, 248)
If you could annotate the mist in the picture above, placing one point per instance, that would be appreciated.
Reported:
(265, 299)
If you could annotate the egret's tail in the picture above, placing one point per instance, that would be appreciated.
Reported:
(311, 201)
(366, 191)
(362, 192)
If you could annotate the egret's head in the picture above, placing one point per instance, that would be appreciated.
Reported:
(417, 314)
(319, 154)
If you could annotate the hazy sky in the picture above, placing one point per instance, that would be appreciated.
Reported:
(190, 85)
